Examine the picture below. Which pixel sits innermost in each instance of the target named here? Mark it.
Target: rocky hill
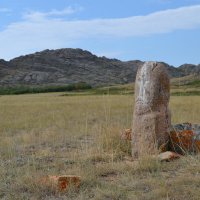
(66, 66)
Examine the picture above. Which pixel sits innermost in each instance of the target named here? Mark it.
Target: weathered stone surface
(185, 138)
(61, 183)
(151, 115)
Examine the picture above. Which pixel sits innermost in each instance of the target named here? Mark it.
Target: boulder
(151, 125)
(185, 138)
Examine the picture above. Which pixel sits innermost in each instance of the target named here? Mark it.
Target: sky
(156, 30)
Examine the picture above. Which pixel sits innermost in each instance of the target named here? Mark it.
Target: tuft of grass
(111, 143)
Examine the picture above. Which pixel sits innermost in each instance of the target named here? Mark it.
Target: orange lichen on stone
(197, 144)
(184, 141)
(126, 134)
(61, 183)
(163, 147)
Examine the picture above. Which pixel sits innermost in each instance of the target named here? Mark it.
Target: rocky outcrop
(189, 69)
(152, 121)
(67, 66)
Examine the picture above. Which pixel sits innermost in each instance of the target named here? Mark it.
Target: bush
(43, 89)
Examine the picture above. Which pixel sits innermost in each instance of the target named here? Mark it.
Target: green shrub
(43, 89)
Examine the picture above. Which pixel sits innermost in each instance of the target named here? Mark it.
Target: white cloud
(31, 35)
(5, 10)
(36, 15)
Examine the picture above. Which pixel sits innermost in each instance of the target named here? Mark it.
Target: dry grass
(50, 134)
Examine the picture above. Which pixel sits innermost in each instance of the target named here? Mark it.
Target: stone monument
(152, 121)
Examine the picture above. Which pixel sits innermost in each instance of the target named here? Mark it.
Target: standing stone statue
(151, 115)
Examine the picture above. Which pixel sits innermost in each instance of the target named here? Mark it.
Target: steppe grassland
(50, 134)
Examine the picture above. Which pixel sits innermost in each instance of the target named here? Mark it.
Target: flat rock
(168, 156)
(61, 183)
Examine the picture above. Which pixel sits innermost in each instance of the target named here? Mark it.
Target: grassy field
(52, 134)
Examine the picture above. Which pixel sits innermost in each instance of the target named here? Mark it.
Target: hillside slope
(67, 66)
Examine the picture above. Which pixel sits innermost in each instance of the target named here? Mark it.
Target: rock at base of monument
(126, 134)
(61, 183)
(185, 138)
(168, 156)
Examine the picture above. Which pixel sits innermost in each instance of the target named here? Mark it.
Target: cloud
(36, 15)
(5, 10)
(41, 32)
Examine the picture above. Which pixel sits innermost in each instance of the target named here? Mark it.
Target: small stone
(168, 156)
(62, 183)
(126, 134)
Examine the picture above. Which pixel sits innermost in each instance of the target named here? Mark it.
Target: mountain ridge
(68, 66)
